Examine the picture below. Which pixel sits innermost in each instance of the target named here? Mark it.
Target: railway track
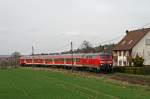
(75, 71)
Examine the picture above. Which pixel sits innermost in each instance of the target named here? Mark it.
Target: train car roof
(81, 55)
(53, 56)
(92, 54)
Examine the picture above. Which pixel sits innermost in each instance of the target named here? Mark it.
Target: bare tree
(86, 47)
(15, 58)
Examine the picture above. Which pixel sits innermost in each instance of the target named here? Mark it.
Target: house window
(127, 53)
(119, 53)
(124, 63)
(147, 41)
(115, 53)
(120, 63)
(124, 53)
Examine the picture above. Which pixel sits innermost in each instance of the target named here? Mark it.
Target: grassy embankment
(23, 83)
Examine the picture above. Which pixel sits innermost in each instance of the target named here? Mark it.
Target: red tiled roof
(131, 39)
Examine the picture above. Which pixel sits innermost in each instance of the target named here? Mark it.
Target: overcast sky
(50, 24)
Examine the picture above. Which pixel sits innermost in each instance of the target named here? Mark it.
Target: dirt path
(134, 79)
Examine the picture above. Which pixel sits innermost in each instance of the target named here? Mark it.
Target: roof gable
(131, 39)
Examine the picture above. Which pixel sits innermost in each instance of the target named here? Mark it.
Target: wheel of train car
(105, 68)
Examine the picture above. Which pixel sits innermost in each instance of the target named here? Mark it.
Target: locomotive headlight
(110, 64)
(101, 64)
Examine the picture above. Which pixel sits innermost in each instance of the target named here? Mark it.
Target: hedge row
(132, 70)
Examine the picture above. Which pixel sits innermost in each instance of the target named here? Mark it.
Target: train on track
(91, 61)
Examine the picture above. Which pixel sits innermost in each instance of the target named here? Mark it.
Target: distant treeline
(86, 47)
(102, 48)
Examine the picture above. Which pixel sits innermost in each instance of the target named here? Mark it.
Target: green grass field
(32, 84)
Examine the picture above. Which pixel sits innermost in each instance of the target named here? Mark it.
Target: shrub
(139, 70)
(138, 61)
(147, 70)
(3, 65)
(119, 69)
(130, 70)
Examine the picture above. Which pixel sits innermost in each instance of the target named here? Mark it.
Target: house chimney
(127, 31)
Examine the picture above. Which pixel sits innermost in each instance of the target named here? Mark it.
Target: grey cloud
(50, 24)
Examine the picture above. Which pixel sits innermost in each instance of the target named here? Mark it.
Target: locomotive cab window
(105, 56)
(94, 56)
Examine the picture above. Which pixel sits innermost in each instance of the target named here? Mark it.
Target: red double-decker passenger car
(99, 61)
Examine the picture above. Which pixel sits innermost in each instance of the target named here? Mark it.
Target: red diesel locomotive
(99, 61)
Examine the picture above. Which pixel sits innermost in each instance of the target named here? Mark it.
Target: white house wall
(142, 49)
(122, 58)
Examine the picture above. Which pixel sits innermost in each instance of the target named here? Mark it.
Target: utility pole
(32, 56)
(72, 56)
(32, 50)
(105, 50)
